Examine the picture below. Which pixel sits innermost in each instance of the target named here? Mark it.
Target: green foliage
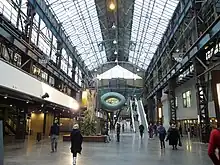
(88, 126)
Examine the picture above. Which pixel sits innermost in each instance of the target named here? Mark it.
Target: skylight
(150, 20)
(80, 21)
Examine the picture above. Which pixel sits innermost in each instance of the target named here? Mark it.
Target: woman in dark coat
(76, 142)
(173, 136)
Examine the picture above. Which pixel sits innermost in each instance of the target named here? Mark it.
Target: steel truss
(202, 97)
(172, 99)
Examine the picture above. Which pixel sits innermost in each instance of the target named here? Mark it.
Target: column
(21, 123)
(159, 107)
(172, 100)
(202, 96)
(29, 22)
(151, 109)
(59, 54)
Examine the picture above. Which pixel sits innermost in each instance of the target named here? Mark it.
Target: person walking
(155, 129)
(118, 132)
(173, 136)
(181, 130)
(214, 143)
(54, 135)
(150, 131)
(141, 129)
(76, 142)
(162, 135)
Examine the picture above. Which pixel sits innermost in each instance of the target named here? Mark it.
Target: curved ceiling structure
(130, 33)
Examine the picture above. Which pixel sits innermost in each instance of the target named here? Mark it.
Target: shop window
(44, 75)
(51, 81)
(36, 70)
(187, 99)
(17, 60)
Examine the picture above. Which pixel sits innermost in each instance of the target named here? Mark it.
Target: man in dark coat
(54, 134)
(118, 131)
(162, 135)
(173, 136)
(76, 142)
(141, 129)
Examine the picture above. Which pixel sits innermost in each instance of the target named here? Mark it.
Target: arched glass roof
(81, 23)
(150, 20)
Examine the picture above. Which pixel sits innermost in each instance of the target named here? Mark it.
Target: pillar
(172, 99)
(29, 22)
(59, 54)
(151, 109)
(159, 107)
(202, 96)
(21, 123)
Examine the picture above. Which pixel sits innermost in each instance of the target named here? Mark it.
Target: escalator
(142, 114)
(132, 115)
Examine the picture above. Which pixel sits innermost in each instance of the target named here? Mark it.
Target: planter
(87, 138)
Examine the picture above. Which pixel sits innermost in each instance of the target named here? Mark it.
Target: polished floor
(130, 151)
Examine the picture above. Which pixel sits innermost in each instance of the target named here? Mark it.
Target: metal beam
(172, 100)
(208, 35)
(181, 17)
(56, 28)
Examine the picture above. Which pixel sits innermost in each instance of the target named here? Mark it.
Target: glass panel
(150, 21)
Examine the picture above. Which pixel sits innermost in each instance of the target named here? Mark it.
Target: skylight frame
(79, 19)
(150, 21)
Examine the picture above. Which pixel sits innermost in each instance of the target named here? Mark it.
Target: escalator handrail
(132, 116)
(138, 112)
(144, 114)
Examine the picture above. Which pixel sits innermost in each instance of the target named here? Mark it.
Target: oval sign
(112, 101)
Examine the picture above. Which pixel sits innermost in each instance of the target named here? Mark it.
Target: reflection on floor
(130, 151)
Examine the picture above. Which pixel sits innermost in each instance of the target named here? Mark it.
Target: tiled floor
(130, 151)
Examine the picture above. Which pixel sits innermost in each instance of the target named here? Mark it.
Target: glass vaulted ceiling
(150, 20)
(80, 21)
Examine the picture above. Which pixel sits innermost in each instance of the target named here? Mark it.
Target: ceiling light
(53, 107)
(116, 60)
(42, 105)
(114, 42)
(115, 52)
(177, 50)
(112, 6)
(6, 97)
(27, 101)
(138, 69)
(10, 105)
